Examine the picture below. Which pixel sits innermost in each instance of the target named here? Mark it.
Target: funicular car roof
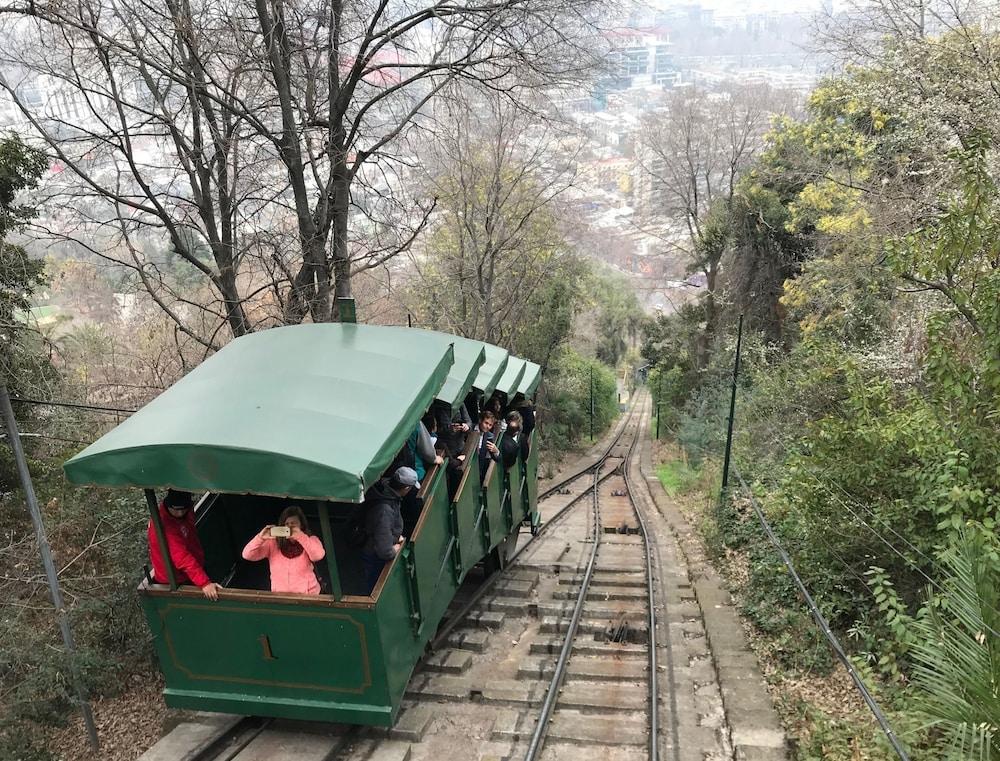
(305, 411)
(470, 356)
(511, 379)
(493, 368)
(531, 378)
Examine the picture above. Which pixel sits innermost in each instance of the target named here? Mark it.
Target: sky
(728, 7)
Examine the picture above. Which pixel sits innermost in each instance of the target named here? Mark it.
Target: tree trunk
(235, 314)
(341, 209)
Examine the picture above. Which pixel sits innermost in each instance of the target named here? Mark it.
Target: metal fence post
(591, 403)
(659, 402)
(46, 553)
(732, 414)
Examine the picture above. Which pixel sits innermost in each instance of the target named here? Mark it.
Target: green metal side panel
(289, 660)
(432, 557)
(397, 631)
(531, 468)
(493, 494)
(306, 411)
(515, 497)
(467, 507)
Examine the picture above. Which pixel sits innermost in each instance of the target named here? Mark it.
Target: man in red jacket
(186, 553)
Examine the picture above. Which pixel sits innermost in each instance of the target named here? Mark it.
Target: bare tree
(251, 136)
(691, 157)
(859, 32)
(495, 239)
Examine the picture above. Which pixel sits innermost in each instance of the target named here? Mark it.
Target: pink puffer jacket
(294, 575)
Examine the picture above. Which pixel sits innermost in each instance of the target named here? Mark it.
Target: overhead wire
(73, 405)
(824, 626)
(896, 550)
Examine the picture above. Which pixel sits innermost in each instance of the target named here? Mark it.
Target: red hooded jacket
(185, 550)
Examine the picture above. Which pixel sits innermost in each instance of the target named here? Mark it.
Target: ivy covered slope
(864, 249)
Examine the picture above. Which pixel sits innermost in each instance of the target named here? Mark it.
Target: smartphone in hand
(279, 532)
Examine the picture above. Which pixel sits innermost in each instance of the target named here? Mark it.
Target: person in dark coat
(452, 425)
(523, 405)
(487, 448)
(384, 522)
(514, 441)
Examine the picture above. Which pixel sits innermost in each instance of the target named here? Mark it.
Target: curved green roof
(511, 378)
(307, 411)
(469, 358)
(532, 377)
(492, 370)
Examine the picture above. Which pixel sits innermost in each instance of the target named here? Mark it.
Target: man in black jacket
(514, 440)
(487, 449)
(453, 425)
(384, 522)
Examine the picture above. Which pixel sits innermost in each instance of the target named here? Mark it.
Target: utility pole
(46, 553)
(732, 412)
(591, 403)
(659, 401)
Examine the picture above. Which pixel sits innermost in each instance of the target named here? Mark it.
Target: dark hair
(292, 511)
(176, 498)
(430, 421)
(487, 415)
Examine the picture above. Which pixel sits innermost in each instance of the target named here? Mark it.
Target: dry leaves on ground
(127, 725)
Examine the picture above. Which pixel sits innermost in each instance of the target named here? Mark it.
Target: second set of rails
(554, 656)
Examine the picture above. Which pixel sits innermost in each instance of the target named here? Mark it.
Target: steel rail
(234, 740)
(538, 736)
(559, 674)
(654, 711)
(600, 460)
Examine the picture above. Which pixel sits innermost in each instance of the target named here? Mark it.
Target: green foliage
(863, 249)
(567, 400)
(830, 738)
(19, 742)
(677, 477)
(769, 597)
(956, 650)
(20, 169)
(620, 317)
(99, 546)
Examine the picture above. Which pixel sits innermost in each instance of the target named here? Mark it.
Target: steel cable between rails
(552, 694)
(653, 666)
(817, 615)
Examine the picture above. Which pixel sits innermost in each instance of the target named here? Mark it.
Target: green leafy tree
(21, 167)
(620, 317)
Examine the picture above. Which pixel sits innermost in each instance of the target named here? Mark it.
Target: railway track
(609, 612)
(555, 657)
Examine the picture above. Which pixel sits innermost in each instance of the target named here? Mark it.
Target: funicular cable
(823, 625)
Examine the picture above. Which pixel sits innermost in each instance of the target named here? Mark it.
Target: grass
(677, 477)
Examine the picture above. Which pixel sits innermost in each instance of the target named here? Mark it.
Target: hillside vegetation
(863, 248)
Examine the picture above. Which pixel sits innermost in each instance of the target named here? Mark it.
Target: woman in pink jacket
(291, 558)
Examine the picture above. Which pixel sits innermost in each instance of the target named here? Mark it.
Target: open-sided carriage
(313, 415)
